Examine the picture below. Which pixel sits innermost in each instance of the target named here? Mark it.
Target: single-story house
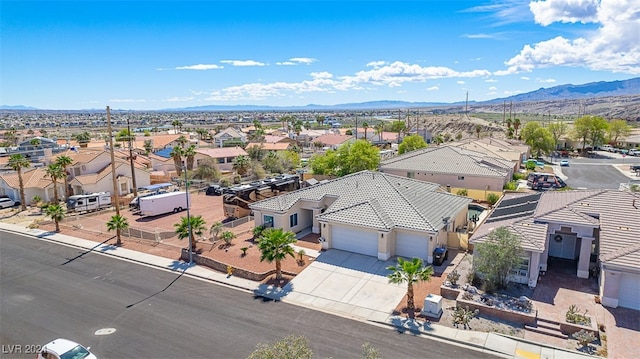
(229, 136)
(224, 156)
(596, 231)
(371, 213)
(270, 146)
(496, 148)
(452, 166)
(332, 141)
(36, 183)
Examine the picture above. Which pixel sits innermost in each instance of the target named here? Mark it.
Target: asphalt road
(593, 176)
(49, 291)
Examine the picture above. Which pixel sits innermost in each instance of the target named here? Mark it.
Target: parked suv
(214, 190)
(440, 255)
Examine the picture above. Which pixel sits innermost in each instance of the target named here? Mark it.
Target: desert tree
(497, 255)
(118, 223)
(411, 143)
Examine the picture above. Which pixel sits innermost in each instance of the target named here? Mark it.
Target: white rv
(162, 203)
(89, 202)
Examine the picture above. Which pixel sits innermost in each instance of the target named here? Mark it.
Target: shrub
(463, 316)
(492, 198)
(519, 176)
(574, 316)
(584, 337)
(531, 166)
(225, 182)
(462, 192)
(257, 231)
(453, 277)
(511, 186)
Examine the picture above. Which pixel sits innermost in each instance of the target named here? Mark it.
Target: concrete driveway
(351, 284)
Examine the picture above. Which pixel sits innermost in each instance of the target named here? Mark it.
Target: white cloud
(490, 80)
(434, 88)
(298, 61)
(460, 82)
(242, 63)
(200, 67)
(547, 81)
(376, 63)
(321, 75)
(614, 46)
(567, 11)
(492, 88)
(526, 78)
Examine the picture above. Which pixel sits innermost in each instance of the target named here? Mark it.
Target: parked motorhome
(89, 202)
(163, 203)
(544, 181)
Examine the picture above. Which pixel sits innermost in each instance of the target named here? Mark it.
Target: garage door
(354, 240)
(629, 296)
(411, 245)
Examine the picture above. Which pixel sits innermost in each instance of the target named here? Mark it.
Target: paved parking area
(349, 283)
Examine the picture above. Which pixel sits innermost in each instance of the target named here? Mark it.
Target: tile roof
(232, 132)
(333, 140)
(32, 178)
(279, 146)
(276, 139)
(159, 141)
(532, 235)
(447, 159)
(377, 200)
(222, 152)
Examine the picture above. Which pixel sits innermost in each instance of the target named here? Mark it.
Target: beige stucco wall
(453, 180)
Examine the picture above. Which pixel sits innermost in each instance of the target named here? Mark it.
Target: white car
(6, 203)
(65, 349)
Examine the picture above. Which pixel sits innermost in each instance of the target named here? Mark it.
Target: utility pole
(133, 168)
(504, 112)
(466, 106)
(510, 109)
(113, 163)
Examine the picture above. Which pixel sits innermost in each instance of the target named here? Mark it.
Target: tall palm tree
(190, 152)
(65, 161)
(17, 162)
(409, 272)
(275, 245)
(509, 123)
(198, 226)
(378, 129)
(365, 126)
(478, 129)
(516, 125)
(176, 124)
(118, 223)
(176, 153)
(182, 140)
(55, 172)
(241, 164)
(215, 230)
(56, 212)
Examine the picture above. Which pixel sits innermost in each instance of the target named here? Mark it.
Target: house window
(460, 178)
(293, 220)
(123, 187)
(267, 221)
(220, 160)
(411, 174)
(76, 171)
(523, 268)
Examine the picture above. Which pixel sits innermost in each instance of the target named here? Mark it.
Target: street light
(186, 193)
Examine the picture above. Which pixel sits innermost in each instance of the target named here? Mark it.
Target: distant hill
(576, 92)
(18, 107)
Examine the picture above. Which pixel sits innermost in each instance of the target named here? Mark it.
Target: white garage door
(354, 240)
(412, 245)
(629, 296)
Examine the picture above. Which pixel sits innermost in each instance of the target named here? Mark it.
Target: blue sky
(150, 55)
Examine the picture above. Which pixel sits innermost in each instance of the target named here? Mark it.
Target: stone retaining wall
(571, 328)
(222, 267)
(449, 293)
(512, 316)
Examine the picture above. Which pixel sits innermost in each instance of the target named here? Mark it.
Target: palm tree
(55, 172)
(190, 152)
(83, 138)
(56, 213)
(176, 153)
(64, 162)
(365, 125)
(228, 237)
(197, 227)
(241, 164)
(215, 230)
(509, 123)
(438, 139)
(148, 146)
(176, 124)
(516, 125)
(182, 141)
(378, 129)
(409, 272)
(478, 128)
(17, 162)
(275, 245)
(118, 223)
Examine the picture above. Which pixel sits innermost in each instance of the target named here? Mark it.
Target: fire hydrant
(229, 271)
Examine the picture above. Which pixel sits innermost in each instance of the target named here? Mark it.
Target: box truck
(163, 203)
(89, 202)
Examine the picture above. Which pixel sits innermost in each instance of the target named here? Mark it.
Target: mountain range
(562, 92)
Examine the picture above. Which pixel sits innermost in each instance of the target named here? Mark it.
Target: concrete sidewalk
(496, 344)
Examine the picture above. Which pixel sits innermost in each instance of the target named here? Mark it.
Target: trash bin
(439, 255)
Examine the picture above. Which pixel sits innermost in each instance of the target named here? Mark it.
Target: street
(50, 291)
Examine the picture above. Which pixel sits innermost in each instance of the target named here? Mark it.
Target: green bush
(519, 176)
(462, 192)
(492, 198)
(511, 186)
(530, 166)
